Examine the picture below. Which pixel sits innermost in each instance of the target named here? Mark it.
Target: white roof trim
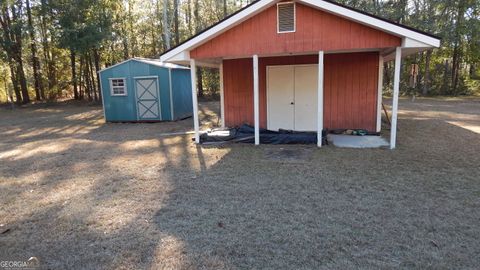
(411, 43)
(180, 56)
(155, 62)
(373, 22)
(181, 53)
(158, 63)
(252, 10)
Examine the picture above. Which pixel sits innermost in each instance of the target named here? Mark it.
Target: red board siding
(315, 30)
(350, 89)
(238, 91)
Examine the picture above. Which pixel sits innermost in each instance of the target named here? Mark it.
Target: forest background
(52, 49)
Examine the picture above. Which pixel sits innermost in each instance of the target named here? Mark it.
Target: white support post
(320, 99)
(396, 90)
(256, 106)
(380, 96)
(193, 74)
(222, 97)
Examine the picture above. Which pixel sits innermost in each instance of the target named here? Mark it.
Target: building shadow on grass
(104, 199)
(345, 208)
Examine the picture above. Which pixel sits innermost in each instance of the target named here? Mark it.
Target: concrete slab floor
(352, 141)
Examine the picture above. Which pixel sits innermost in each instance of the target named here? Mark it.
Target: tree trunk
(35, 62)
(92, 78)
(86, 74)
(16, 89)
(47, 55)
(17, 56)
(153, 47)
(196, 16)
(175, 21)
(166, 28)
(471, 70)
(387, 75)
(23, 82)
(458, 47)
(402, 7)
(8, 94)
(96, 58)
(455, 63)
(81, 82)
(189, 17)
(445, 78)
(426, 76)
(224, 8)
(74, 74)
(200, 82)
(130, 32)
(46, 37)
(111, 57)
(125, 45)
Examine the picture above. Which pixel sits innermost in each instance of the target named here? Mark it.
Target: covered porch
(331, 90)
(301, 65)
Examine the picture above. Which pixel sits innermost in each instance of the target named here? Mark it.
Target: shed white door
(306, 84)
(280, 84)
(292, 97)
(148, 101)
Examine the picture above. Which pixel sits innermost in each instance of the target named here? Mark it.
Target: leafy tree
(83, 26)
(68, 41)
(12, 24)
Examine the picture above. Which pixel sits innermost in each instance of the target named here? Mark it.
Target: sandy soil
(79, 193)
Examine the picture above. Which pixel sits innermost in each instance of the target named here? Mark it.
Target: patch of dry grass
(78, 193)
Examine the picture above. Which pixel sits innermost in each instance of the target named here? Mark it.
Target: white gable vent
(286, 17)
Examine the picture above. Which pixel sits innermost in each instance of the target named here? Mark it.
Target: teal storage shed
(146, 90)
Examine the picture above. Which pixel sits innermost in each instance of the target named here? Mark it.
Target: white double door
(292, 97)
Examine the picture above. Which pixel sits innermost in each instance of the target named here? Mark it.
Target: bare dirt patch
(79, 193)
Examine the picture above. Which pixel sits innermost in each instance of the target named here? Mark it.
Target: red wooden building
(301, 65)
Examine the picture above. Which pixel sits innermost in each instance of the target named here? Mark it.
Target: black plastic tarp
(245, 134)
